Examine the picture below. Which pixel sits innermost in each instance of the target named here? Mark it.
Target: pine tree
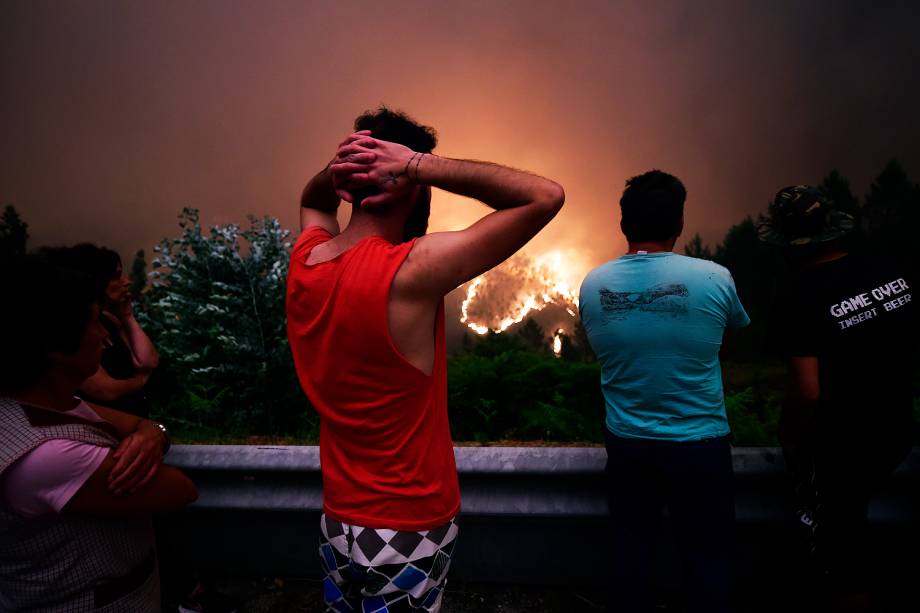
(756, 269)
(13, 233)
(534, 337)
(837, 188)
(893, 213)
(696, 249)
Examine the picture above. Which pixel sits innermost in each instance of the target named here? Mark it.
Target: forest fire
(557, 342)
(509, 292)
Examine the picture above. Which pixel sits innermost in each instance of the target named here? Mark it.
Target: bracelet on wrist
(409, 163)
(417, 162)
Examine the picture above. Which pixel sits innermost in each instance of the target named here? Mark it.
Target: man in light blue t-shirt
(656, 321)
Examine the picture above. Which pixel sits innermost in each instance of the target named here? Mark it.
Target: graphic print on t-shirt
(854, 310)
(669, 299)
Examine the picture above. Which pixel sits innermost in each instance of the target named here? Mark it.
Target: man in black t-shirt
(847, 326)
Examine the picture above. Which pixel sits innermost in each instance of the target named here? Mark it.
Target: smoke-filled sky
(114, 114)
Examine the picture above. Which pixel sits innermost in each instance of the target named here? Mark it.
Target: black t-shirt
(118, 363)
(859, 316)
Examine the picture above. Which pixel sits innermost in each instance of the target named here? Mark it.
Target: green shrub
(523, 395)
(754, 418)
(216, 312)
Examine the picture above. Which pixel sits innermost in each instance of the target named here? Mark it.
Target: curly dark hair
(652, 207)
(398, 127)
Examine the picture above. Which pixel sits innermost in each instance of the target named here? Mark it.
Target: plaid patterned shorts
(372, 570)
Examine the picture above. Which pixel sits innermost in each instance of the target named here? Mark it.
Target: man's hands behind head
(366, 165)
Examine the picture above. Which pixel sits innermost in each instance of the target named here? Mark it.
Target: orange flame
(509, 292)
(557, 342)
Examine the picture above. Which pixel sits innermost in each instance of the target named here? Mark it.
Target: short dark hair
(99, 264)
(398, 127)
(652, 207)
(45, 309)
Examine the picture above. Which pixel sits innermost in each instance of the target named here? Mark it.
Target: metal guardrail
(533, 481)
(527, 511)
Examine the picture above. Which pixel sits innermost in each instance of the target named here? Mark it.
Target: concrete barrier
(530, 514)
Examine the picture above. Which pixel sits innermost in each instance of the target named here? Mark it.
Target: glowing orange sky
(115, 115)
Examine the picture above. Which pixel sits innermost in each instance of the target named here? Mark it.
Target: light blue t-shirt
(656, 323)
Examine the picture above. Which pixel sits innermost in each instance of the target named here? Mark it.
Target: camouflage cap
(802, 215)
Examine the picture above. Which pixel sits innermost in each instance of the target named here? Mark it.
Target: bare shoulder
(428, 249)
(434, 265)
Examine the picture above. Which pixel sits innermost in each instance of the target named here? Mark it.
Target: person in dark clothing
(131, 357)
(847, 326)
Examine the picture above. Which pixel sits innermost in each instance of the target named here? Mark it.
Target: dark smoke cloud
(115, 115)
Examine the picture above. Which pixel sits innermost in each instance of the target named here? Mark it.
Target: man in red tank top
(365, 309)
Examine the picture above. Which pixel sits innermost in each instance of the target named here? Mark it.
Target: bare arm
(104, 388)
(439, 262)
(169, 490)
(523, 203)
(125, 423)
(144, 355)
(319, 201)
(803, 391)
(143, 352)
(803, 387)
(139, 456)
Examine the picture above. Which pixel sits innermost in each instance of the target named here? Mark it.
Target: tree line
(213, 303)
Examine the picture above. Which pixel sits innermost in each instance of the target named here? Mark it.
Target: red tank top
(385, 448)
